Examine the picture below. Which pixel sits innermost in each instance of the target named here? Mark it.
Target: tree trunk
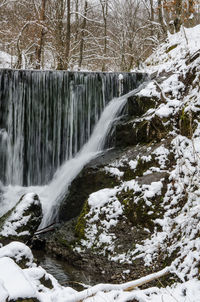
(42, 34)
(18, 65)
(178, 11)
(104, 5)
(68, 34)
(190, 12)
(77, 21)
(82, 36)
(152, 10)
(152, 17)
(161, 17)
(59, 34)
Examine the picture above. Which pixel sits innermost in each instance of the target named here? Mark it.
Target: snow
(164, 111)
(153, 189)
(180, 223)
(98, 199)
(133, 164)
(114, 171)
(25, 283)
(161, 155)
(18, 251)
(14, 281)
(6, 60)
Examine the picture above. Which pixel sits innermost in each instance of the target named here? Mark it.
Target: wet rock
(138, 105)
(91, 179)
(140, 131)
(60, 243)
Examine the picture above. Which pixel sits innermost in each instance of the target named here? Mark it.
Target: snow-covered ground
(25, 283)
(179, 228)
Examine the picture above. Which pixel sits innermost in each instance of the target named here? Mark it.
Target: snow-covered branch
(125, 286)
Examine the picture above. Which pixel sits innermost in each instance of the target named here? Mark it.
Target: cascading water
(46, 117)
(52, 195)
(16, 139)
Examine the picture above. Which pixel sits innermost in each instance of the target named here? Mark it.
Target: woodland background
(89, 34)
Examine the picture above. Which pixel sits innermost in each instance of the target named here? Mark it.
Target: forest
(104, 35)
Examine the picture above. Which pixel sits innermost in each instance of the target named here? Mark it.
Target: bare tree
(93, 34)
(41, 34)
(68, 34)
(161, 16)
(82, 34)
(104, 7)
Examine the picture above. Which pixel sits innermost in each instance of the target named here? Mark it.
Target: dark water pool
(66, 274)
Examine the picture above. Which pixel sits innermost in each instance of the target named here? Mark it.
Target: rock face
(92, 178)
(135, 209)
(118, 200)
(21, 222)
(135, 222)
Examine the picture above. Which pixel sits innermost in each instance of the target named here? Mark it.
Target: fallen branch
(147, 279)
(162, 94)
(125, 286)
(48, 228)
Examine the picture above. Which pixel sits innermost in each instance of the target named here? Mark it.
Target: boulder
(21, 222)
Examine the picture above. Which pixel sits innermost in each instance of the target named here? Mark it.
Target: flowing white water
(47, 116)
(52, 194)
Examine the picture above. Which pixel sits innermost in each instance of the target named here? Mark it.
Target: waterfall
(47, 116)
(57, 188)
(51, 195)
(51, 125)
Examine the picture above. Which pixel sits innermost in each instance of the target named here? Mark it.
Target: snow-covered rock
(21, 222)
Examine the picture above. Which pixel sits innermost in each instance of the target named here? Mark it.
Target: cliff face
(140, 202)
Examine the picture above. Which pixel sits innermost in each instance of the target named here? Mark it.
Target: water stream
(51, 195)
(47, 116)
(66, 274)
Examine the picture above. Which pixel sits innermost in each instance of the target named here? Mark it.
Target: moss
(185, 123)
(138, 105)
(90, 180)
(171, 48)
(81, 223)
(5, 217)
(149, 130)
(25, 300)
(63, 242)
(34, 212)
(138, 213)
(141, 167)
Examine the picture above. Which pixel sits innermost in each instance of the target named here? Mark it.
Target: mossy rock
(186, 123)
(90, 180)
(25, 300)
(22, 221)
(139, 213)
(142, 131)
(138, 105)
(141, 167)
(81, 223)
